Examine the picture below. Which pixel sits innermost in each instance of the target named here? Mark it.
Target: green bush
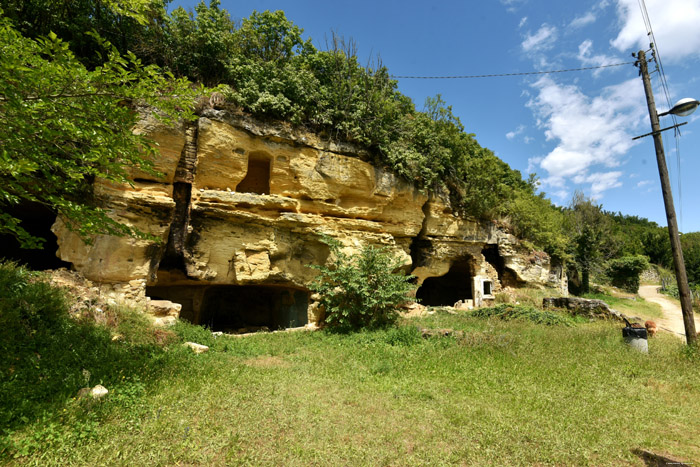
(624, 272)
(361, 291)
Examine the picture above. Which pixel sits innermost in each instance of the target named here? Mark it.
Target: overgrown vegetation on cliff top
(268, 70)
(63, 124)
(271, 72)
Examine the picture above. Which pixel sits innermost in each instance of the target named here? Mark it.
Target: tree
(624, 272)
(591, 230)
(363, 290)
(127, 24)
(199, 45)
(63, 125)
(271, 37)
(535, 219)
(691, 256)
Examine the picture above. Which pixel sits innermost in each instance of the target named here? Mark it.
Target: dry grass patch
(266, 361)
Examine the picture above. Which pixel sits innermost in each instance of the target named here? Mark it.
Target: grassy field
(505, 393)
(629, 304)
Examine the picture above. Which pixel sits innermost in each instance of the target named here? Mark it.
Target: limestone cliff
(239, 211)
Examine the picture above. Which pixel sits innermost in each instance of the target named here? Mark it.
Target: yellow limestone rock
(253, 206)
(169, 142)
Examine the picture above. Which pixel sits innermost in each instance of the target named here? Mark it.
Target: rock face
(240, 211)
(590, 308)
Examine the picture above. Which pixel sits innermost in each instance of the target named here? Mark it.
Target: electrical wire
(656, 56)
(496, 75)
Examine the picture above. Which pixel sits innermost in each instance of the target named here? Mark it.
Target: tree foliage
(127, 24)
(273, 73)
(197, 44)
(363, 290)
(624, 272)
(535, 219)
(63, 125)
(691, 254)
(590, 230)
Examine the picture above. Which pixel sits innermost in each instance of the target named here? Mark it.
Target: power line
(656, 56)
(513, 74)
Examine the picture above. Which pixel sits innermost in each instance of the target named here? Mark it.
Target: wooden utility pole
(678, 263)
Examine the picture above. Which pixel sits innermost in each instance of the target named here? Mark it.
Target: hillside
(261, 67)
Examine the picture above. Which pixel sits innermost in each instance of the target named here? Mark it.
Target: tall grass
(633, 306)
(48, 355)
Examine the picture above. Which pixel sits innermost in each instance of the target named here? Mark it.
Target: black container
(629, 332)
(636, 338)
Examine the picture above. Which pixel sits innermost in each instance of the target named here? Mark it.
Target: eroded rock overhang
(243, 203)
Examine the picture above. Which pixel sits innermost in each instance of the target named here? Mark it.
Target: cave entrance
(450, 288)
(506, 277)
(492, 257)
(36, 219)
(237, 308)
(249, 308)
(257, 179)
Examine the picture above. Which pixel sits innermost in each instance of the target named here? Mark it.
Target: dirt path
(673, 317)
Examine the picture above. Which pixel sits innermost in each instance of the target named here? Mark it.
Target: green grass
(507, 393)
(504, 392)
(528, 313)
(632, 306)
(530, 296)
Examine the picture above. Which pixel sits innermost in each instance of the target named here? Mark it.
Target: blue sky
(574, 130)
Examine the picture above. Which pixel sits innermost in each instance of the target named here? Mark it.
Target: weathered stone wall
(212, 234)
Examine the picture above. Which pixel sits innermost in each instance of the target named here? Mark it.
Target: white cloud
(581, 21)
(588, 58)
(516, 132)
(532, 164)
(543, 39)
(561, 194)
(589, 132)
(675, 24)
(512, 5)
(601, 182)
(643, 183)
(523, 21)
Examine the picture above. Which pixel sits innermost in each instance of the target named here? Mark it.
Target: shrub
(361, 291)
(624, 272)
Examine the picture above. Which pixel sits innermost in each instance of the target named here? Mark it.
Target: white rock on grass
(196, 348)
(164, 321)
(98, 392)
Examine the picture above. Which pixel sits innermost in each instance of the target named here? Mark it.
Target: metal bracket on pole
(663, 129)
